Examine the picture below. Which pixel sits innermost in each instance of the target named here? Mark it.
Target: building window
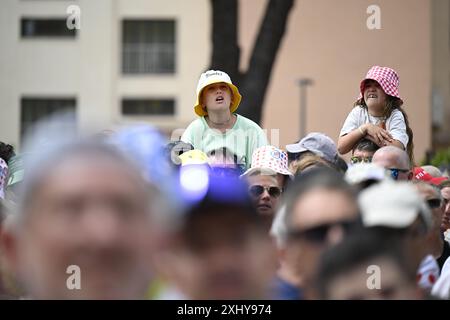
(148, 107)
(35, 109)
(32, 27)
(148, 46)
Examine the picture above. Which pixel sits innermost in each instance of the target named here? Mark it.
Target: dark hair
(340, 165)
(320, 178)
(356, 250)
(393, 103)
(366, 145)
(6, 151)
(224, 152)
(176, 148)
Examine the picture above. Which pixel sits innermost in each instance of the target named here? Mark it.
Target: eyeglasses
(355, 159)
(319, 233)
(434, 203)
(258, 190)
(395, 172)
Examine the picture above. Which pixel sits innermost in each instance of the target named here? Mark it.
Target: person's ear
(410, 175)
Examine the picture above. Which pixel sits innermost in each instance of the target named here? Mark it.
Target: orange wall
(329, 42)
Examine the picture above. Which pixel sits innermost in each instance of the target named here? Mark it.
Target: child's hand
(378, 135)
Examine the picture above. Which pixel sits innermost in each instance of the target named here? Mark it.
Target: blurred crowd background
(128, 172)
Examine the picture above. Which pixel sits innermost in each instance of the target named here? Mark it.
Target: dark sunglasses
(258, 190)
(395, 172)
(434, 203)
(318, 234)
(354, 160)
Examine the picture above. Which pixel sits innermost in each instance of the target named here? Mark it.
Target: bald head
(391, 157)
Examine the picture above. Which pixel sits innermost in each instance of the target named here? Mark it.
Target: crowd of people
(222, 214)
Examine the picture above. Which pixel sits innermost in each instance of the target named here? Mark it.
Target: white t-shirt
(428, 273)
(395, 124)
(441, 288)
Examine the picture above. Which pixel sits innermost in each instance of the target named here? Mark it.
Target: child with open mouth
(377, 114)
(218, 125)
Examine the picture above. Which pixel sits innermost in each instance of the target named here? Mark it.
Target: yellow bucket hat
(215, 76)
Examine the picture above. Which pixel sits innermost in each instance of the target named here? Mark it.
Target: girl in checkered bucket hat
(377, 114)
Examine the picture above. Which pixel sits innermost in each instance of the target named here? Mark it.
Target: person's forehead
(216, 84)
(361, 153)
(92, 171)
(320, 206)
(427, 191)
(219, 224)
(388, 160)
(263, 179)
(446, 193)
(370, 83)
(353, 283)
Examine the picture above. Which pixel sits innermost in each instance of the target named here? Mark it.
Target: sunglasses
(395, 172)
(434, 203)
(319, 234)
(355, 159)
(258, 190)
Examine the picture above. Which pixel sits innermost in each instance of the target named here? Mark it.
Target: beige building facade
(327, 42)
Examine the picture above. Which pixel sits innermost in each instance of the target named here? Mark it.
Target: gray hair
(39, 167)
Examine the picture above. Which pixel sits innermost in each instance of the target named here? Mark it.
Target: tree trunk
(226, 53)
(225, 48)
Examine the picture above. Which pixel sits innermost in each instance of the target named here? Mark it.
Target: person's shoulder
(357, 110)
(397, 115)
(247, 123)
(196, 124)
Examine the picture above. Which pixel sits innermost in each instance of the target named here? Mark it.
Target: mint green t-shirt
(242, 139)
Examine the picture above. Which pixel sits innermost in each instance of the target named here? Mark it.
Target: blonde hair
(309, 160)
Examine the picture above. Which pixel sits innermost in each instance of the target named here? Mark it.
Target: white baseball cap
(361, 172)
(392, 204)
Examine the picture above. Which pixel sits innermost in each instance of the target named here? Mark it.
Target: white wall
(89, 66)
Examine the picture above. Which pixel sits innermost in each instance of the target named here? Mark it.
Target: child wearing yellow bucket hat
(218, 125)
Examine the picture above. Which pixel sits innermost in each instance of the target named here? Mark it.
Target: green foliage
(441, 158)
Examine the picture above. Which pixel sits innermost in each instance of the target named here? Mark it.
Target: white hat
(270, 159)
(215, 76)
(392, 204)
(361, 172)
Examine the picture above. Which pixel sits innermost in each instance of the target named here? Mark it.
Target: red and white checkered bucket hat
(386, 77)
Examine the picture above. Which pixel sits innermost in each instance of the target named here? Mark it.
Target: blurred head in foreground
(364, 267)
(222, 249)
(86, 226)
